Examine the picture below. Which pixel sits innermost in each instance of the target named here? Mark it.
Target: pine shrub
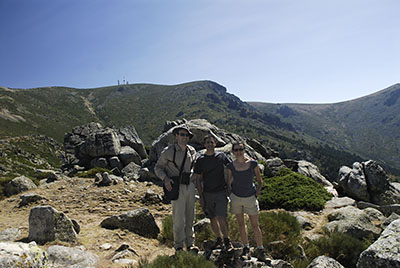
(292, 191)
(167, 231)
(339, 246)
(180, 260)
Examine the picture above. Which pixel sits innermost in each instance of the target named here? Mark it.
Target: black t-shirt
(212, 169)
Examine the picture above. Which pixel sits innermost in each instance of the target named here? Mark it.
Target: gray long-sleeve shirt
(165, 166)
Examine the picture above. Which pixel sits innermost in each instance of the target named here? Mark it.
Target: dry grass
(88, 204)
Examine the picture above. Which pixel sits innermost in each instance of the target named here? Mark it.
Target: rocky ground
(80, 199)
(88, 204)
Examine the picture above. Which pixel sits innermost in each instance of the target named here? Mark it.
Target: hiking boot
(193, 249)
(218, 243)
(227, 243)
(259, 253)
(245, 251)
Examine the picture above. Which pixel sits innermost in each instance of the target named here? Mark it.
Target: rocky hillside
(368, 126)
(53, 111)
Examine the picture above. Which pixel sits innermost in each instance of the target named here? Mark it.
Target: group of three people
(213, 190)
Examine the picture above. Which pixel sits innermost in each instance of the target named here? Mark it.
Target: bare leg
(242, 228)
(223, 225)
(256, 229)
(215, 227)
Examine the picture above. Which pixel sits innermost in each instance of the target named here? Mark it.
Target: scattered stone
(201, 225)
(325, 262)
(139, 221)
(19, 185)
(17, 254)
(10, 234)
(151, 198)
(60, 257)
(390, 219)
(375, 215)
(131, 170)
(304, 222)
(30, 198)
(48, 224)
(387, 210)
(339, 202)
(106, 246)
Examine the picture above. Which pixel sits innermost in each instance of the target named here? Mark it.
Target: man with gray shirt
(177, 160)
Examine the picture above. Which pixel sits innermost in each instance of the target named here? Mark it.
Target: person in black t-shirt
(211, 185)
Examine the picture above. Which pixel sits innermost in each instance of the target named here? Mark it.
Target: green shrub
(275, 226)
(3, 182)
(91, 172)
(341, 247)
(167, 232)
(181, 260)
(292, 191)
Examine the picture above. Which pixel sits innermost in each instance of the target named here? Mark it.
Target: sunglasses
(184, 135)
(238, 149)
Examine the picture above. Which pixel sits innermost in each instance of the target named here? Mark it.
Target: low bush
(280, 232)
(3, 182)
(167, 232)
(291, 191)
(341, 247)
(180, 260)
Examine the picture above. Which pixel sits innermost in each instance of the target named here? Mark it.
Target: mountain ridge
(368, 126)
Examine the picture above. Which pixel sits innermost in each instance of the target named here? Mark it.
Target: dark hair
(209, 136)
(238, 143)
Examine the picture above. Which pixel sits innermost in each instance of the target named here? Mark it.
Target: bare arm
(259, 180)
(197, 178)
(229, 181)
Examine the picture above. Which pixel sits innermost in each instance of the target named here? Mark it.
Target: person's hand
(168, 183)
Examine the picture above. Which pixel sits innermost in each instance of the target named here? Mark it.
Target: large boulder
(129, 137)
(353, 183)
(324, 262)
(273, 166)
(382, 192)
(384, 252)
(19, 185)
(92, 145)
(60, 257)
(368, 182)
(104, 142)
(139, 221)
(310, 170)
(17, 254)
(48, 224)
(129, 155)
(352, 221)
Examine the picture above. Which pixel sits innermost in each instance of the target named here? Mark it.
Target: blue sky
(310, 51)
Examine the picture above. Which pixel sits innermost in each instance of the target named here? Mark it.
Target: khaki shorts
(241, 205)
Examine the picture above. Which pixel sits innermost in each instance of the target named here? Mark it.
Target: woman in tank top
(243, 195)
